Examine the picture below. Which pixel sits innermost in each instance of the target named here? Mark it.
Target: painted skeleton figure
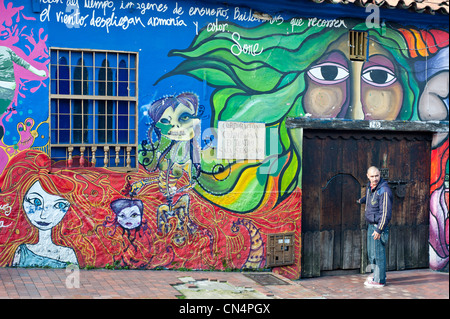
(175, 125)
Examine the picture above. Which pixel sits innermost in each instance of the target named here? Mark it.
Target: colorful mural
(184, 207)
(405, 78)
(439, 204)
(23, 64)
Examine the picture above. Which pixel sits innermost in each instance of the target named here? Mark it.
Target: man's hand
(376, 236)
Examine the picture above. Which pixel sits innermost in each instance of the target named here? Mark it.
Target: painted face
(381, 93)
(129, 217)
(44, 210)
(178, 124)
(366, 90)
(327, 87)
(27, 136)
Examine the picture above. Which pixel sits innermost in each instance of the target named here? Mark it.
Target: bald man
(378, 213)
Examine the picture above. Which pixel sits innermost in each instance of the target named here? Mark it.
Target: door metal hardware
(399, 187)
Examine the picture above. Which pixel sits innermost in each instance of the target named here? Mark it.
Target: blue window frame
(93, 108)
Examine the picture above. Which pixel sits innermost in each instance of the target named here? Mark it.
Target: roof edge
(420, 6)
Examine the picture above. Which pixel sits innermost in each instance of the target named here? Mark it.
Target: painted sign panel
(241, 141)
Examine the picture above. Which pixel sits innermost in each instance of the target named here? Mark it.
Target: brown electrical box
(280, 249)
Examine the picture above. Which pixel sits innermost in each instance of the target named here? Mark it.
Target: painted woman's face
(178, 124)
(44, 210)
(129, 217)
(366, 90)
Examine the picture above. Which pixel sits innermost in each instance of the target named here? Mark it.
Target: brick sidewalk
(104, 284)
(30, 283)
(407, 284)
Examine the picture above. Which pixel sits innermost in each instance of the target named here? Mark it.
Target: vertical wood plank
(356, 249)
(400, 247)
(364, 259)
(337, 250)
(326, 249)
(391, 253)
(347, 243)
(407, 233)
(316, 254)
(307, 256)
(414, 246)
(423, 249)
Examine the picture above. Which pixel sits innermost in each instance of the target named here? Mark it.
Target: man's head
(373, 174)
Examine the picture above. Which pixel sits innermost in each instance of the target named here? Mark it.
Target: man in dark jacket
(378, 213)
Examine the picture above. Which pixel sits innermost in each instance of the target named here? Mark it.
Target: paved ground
(30, 283)
(409, 284)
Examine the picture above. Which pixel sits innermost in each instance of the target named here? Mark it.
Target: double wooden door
(334, 166)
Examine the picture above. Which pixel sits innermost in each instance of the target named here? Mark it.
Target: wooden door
(334, 177)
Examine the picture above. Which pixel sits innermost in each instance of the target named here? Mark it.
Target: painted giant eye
(378, 76)
(328, 73)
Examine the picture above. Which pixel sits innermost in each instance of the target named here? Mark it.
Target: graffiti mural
(430, 52)
(68, 214)
(174, 119)
(394, 83)
(184, 207)
(439, 204)
(23, 64)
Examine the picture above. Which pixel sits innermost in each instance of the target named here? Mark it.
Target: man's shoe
(373, 284)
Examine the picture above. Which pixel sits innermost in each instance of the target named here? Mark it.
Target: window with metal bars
(357, 41)
(93, 108)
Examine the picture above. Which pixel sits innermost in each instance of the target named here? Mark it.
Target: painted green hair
(259, 76)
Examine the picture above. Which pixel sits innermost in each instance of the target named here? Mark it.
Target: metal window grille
(93, 108)
(357, 45)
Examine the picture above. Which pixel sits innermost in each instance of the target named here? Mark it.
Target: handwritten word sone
(237, 48)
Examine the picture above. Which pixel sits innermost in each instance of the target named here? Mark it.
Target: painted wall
(223, 65)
